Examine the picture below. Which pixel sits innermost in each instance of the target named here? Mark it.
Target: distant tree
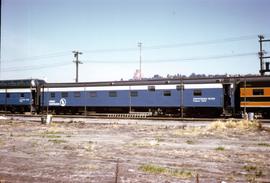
(192, 75)
(156, 76)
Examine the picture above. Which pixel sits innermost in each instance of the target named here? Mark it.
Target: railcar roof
(208, 80)
(20, 83)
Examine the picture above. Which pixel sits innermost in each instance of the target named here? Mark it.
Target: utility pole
(140, 46)
(77, 62)
(264, 67)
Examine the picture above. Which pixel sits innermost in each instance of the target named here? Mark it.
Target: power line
(165, 46)
(39, 57)
(36, 67)
(198, 43)
(206, 57)
(191, 59)
(176, 59)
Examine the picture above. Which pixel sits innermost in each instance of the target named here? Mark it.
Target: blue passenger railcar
(15, 99)
(167, 98)
(136, 96)
(20, 95)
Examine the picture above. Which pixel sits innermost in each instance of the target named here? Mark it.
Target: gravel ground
(146, 151)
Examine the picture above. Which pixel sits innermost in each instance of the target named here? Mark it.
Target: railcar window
(52, 95)
(134, 93)
(258, 92)
(151, 88)
(93, 94)
(197, 93)
(8, 95)
(167, 93)
(77, 94)
(22, 95)
(64, 94)
(112, 94)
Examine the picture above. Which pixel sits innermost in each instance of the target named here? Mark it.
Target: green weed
(53, 136)
(254, 172)
(155, 169)
(220, 148)
(264, 144)
(190, 142)
(57, 141)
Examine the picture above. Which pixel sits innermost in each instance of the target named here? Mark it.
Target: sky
(177, 36)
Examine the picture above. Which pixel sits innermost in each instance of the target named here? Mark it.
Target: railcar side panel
(209, 97)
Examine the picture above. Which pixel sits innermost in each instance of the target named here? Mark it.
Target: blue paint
(210, 97)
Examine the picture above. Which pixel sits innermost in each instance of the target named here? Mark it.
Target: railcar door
(35, 104)
(33, 100)
(227, 99)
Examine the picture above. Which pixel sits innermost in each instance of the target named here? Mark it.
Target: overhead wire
(197, 43)
(39, 57)
(174, 59)
(60, 64)
(164, 46)
(66, 53)
(36, 67)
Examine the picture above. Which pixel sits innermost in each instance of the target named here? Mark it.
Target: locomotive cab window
(22, 95)
(167, 93)
(64, 94)
(258, 92)
(151, 88)
(77, 94)
(112, 94)
(134, 93)
(52, 95)
(8, 95)
(93, 94)
(197, 93)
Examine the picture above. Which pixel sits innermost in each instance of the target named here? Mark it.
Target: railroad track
(137, 116)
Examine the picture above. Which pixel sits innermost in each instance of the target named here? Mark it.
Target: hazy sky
(178, 36)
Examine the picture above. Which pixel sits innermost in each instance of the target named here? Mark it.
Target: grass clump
(249, 168)
(264, 144)
(189, 131)
(254, 172)
(88, 148)
(57, 141)
(190, 142)
(2, 142)
(155, 169)
(159, 139)
(238, 125)
(53, 136)
(185, 174)
(220, 148)
(52, 132)
(145, 143)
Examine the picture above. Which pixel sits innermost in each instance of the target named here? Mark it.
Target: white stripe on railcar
(15, 90)
(157, 87)
(202, 86)
(165, 87)
(96, 88)
(109, 88)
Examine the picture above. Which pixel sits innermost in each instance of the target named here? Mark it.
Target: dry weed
(232, 124)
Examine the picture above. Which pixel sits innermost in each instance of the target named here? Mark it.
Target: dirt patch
(85, 152)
